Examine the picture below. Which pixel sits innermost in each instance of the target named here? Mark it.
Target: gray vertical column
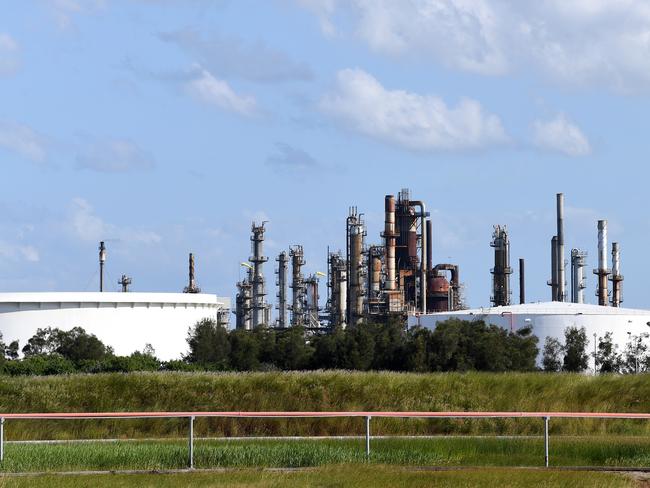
(2, 439)
(368, 437)
(546, 419)
(190, 462)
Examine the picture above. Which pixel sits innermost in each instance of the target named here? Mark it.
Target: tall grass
(329, 390)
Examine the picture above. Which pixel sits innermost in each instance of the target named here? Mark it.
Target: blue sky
(167, 126)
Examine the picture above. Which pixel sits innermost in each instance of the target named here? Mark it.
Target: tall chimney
(561, 281)
(553, 282)
(602, 270)
(102, 261)
(616, 277)
(522, 282)
(429, 246)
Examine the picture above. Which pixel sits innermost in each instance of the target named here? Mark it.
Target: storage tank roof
(111, 297)
(549, 308)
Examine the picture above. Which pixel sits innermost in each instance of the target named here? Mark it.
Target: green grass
(335, 477)
(330, 390)
(336, 390)
(440, 452)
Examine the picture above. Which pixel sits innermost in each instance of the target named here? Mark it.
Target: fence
(191, 416)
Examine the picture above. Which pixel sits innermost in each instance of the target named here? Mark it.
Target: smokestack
(522, 289)
(616, 278)
(602, 270)
(429, 246)
(561, 281)
(553, 282)
(102, 261)
(191, 283)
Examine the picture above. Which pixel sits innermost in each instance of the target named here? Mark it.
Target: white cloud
(421, 122)
(87, 226)
(22, 140)
(213, 91)
(291, 158)
(114, 156)
(233, 58)
(8, 55)
(561, 135)
(18, 252)
(578, 42)
(64, 11)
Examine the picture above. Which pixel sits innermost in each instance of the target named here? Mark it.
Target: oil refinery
(396, 276)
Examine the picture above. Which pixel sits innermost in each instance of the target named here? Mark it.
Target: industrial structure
(125, 321)
(502, 270)
(366, 281)
(397, 277)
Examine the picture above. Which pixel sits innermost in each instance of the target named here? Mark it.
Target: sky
(167, 126)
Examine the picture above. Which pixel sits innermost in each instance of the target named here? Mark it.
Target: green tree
(608, 359)
(523, 350)
(244, 350)
(292, 351)
(77, 345)
(635, 355)
(208, 344)
(551, 355)
(575, 350)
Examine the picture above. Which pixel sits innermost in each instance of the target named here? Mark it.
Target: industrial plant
(395, 276)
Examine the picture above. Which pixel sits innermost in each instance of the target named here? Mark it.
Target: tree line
(454, 345)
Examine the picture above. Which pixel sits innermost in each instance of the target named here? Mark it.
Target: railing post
(191, 444)
(368, 437)
(2, 439)
(546, 419)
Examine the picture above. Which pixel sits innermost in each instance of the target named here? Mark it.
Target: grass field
(335, 390)
(439, 452)
(336, 476)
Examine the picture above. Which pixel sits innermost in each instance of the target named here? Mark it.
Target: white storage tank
(551, 319)
(124, 321)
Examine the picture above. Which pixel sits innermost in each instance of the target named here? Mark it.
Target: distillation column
(356, 232)
(602, 270)
(259, 292)
(281, 283)
(243, 302)
(616, 278)
(502, 270)
(393, 297)
(578, 280)
(297, 286)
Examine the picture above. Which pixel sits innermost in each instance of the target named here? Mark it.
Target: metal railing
(191, 416)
